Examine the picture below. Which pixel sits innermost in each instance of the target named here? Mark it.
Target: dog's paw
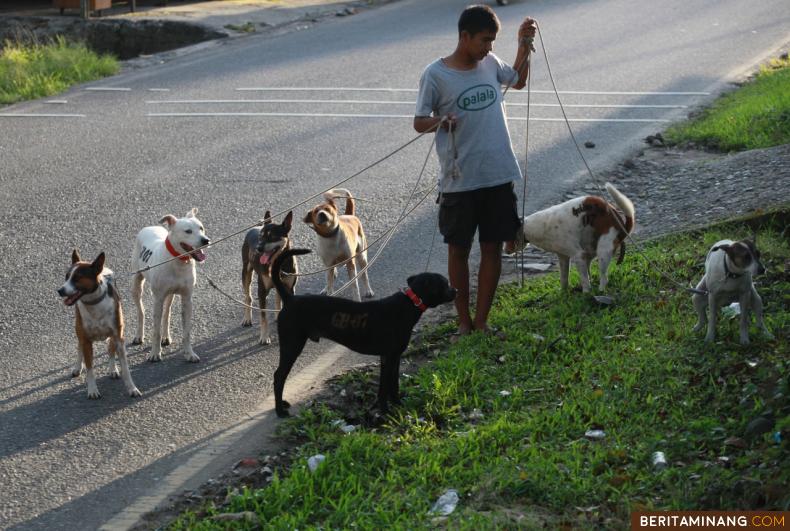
(135, 392)
(282, 409)
(114, 374)
(76, 371)
(153, 358)
(370, 294)
(165, 342)
(698, 327)
(93, 394)
(744, 340)
(191, 357)
(137, 341)
(709, 339)
(246, 322)
(768, 335)
(265, 340)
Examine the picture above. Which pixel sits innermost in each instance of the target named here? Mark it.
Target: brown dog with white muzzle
(340, 239)
(98, 313)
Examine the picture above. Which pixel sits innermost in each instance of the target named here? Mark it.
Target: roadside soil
(672, 190)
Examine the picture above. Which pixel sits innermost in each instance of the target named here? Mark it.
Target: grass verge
(504, 422)
(757, 115)
(38, 70)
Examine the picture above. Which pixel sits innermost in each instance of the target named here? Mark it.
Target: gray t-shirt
(482, 140)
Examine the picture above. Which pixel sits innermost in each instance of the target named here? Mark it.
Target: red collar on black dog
(173, 251)
(415, 299)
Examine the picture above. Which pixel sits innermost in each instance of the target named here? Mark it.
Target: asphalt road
(121, 160)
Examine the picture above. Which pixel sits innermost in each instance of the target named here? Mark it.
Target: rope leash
(618, 223)
(387, 234)
(383, 235)
(310, 198)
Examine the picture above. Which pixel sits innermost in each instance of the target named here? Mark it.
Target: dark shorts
(491, 211)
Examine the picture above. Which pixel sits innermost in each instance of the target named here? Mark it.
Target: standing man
(460, 97)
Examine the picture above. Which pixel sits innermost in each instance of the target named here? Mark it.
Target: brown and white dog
(261, 246)
(581, 229)
(98, 316)
(340, 239)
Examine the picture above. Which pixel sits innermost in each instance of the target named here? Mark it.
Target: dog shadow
(31, 424)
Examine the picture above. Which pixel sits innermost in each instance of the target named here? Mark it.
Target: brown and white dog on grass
(340, 238)
(98, 313)
(581, 229)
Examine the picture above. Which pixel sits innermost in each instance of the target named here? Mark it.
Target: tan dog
(98, 317)
(340, 239)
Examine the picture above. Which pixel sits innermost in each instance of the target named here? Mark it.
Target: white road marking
(384, 102)
(159, 90)
(108, 89)
(56, 102)
(36, 115)
(372, 89)
(399, 116)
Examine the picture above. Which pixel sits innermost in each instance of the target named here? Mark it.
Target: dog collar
(415, 299)
(330, 234)
(727, 271)
(106, 292)
(175, 253)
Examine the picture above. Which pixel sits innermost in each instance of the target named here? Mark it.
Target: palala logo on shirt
(477, 98)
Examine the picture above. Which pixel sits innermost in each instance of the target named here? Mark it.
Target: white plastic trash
(314, 461)
(659, 460)
(595, 434)
(446, 503)
(732, 311)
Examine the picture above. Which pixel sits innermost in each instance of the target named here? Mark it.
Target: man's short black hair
(477, 18)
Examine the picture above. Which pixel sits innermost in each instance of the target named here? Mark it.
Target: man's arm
(526, 33)
(424, 124)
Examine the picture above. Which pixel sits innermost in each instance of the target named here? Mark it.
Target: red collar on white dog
(173, 251)
(415, 299)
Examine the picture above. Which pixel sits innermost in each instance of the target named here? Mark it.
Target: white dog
(580, 229)
(155, 245)
(729, 268)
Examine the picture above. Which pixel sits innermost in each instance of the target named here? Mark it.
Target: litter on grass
(446, 503)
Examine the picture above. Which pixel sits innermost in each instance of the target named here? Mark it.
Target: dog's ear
(192, 213)
(75, 256)
(267, 217)
(289, 219)
(729, 249)
(410, 280)
(98, 264)
(720, 248)
(308, 217)
(168, 220)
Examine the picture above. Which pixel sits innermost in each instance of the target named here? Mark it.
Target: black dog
(260, 248)
(381, 327)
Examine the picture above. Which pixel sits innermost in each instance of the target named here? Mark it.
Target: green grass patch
(38, 70)
(756, 115)
(247, 27)
(503, 421)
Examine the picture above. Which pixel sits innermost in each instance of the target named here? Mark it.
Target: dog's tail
(285, 294)
(342, 192)
(625, 205)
